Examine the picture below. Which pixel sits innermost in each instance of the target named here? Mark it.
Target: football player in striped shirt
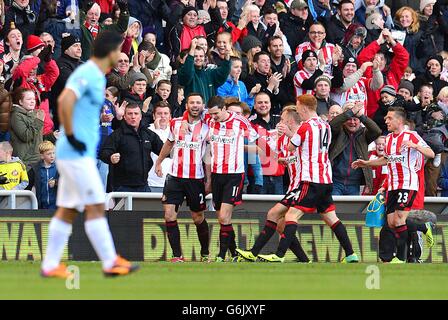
(186, 178)
(404, 156)
(313, 140)
(227, 136)
(289, 122)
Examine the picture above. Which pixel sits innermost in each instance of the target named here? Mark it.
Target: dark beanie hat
(307, 54)
(188, 9)
(350, 59)
(435, 57)
(137, 76)
(389, 90)
(68, 41)
(406, 84)
(250, 42)
(88, 5)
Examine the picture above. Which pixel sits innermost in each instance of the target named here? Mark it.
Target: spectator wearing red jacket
(392, 72)
(25, 76)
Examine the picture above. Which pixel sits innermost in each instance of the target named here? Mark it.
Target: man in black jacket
(69, 60)
(269, 81)
(296, 23)
(128, 152)
(338, 24)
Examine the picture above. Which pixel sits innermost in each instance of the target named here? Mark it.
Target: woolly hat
(406, 84)
(34, 43)
(89, 5)
(355, 29)
(204, 14)
(250, 42)
(68, 41)
(350, 59)
(323, 77)
(389, 90)
(307, 54)
(424, 3)
(436, 57)
(137, 76)
(188, 9)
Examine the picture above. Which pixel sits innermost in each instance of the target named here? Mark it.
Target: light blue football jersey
(89, 84)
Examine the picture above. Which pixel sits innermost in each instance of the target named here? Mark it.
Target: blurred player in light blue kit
(80, 185)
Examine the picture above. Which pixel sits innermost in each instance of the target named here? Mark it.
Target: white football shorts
(79, 184)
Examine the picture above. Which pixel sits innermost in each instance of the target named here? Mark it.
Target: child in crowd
(44, 177)
(13, 175)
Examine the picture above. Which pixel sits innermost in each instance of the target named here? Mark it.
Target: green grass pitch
(162, 280)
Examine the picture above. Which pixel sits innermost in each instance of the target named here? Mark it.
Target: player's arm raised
(66, 103)
(369, 163)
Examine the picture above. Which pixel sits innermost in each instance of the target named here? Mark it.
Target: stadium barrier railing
(18, 199)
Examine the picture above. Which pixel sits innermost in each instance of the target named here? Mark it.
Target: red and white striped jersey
(299, 77)
(327, 51)
(379, 173)
(227, 143)
(292, 162)
(188, 150)
(313, 140)
(403, 163)
(356, 93)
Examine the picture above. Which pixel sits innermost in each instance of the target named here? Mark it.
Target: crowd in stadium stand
(358, 57)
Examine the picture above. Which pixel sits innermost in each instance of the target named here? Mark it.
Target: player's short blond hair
(46, 146)
(292, 112)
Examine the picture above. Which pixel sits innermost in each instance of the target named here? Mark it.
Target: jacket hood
(19, 109)
(140, 35)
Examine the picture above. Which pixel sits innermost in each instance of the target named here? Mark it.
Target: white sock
(58, 233)
(101, 239)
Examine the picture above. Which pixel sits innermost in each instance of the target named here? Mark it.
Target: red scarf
(93, 29)
(188, 34)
